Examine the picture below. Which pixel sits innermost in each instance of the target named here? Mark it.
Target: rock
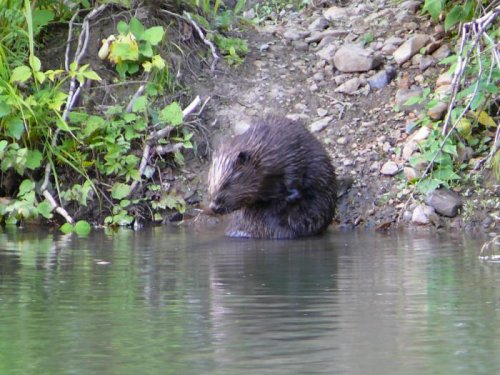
(249, 14)
(317, 36)
(395, 40)
(408, 150)
(320, 124)
(343, 140)
(348, 162)
(389, 168)
(241, 127)
(353, 58)
(344, 183)
(335, 13)
(389, 49)
(425, 62)
(444, 79)
(420, 135)
(445, 202)
(438, 111)
(349, 87)
(300, 45)
(442, 52)
(318, 24)
(382, 78)
(328, 52)
(443, 92)
(292, 34)
(410, 47)
(411, 5)
(402, 96)
(411, 174)
(422, 214)
(321, 112)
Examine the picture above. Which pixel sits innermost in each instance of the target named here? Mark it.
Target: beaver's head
(233, 180)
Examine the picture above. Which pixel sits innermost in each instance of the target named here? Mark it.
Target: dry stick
(153, 138)
(187, 18)
(72, 97)
(483, 22)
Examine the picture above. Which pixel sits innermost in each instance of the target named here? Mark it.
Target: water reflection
(171, 301)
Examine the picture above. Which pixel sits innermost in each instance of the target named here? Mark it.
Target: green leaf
(61, 124)
(120, 190)
(25, 187)
(33, 159)
(154, 35)
(146, 50)
(172, 114)
(41, 18)
(20, 74)
(453, 17)
(413, 100)
(136, 28)
(125, 51)
(428, 186)
(4, 109)
(124, 203)
(140, 104)
(449, 60)
(82, 227)
(122, 28)
(66, 228)
(15, 127)
(35, 63)
(434, 7)
(90, 74)
(45, 209)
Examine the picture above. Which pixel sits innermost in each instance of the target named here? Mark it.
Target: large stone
(349, 87)
(318, 24)
(320, 35)
(409, 48)
(438, 111)
(319, 125)
(422, 214)
(445, 202)
(411, 5)
(353, 58)
(442, 52)
(444, 79)
(382, 78)
(389, 168)
(328, 52)
(335, 13)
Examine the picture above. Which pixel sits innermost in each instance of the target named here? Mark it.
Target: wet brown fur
(276, 180)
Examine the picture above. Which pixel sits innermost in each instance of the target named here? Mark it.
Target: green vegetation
(469, 128)
(103, 163)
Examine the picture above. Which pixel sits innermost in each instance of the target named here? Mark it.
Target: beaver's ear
(243, 158)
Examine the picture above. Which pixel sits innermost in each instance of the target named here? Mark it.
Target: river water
(175, 301)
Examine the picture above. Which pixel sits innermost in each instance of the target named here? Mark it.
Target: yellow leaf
(464, 127)
(484, 119)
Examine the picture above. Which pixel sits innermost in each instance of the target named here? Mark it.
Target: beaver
(276, 180)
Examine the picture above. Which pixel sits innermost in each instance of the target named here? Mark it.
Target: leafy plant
(133, 47)
(233, 49)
